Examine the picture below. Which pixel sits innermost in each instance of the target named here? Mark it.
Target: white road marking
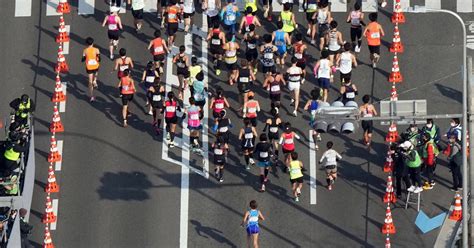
(370, 5)
(59, 164)
(55, 203)
(404, 4)
(150, 6)
(312, 171)
(464, 6)
(86, 7)
(470, 41)
(277, 6)
(23, 8)
(205, 131)
(51, 6)
(433, 4)
(66, 44)
(338, 5)
(62, 105)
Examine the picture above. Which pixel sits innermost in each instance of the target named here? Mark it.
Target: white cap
(406, 145)
(114, 9)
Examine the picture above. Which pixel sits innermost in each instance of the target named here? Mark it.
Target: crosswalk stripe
(150, 6)
(22, 8)
(51, 6)
(433, 4)
(369, 5)
(464, 6)
(86, 7)
(338, 5)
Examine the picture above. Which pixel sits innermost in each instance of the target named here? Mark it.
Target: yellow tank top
(295, 169)
(288, 26)
(252, 4)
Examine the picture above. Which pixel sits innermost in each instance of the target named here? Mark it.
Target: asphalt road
(116, 191)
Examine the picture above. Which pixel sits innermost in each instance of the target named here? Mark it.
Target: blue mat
(426, 224)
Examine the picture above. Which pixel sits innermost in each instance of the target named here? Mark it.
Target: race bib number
(218, 151)
(251, 46)
(216, 42)
(248, 135)
(298, 55)
(268, 55)
(375, 35)
(219, 105)
(288, 141)
(312, 6)
(194, 117)
(170, 109)
(273, 129)
(123, 67)
(223, 129)
(252, 110)
(159, 49)
(112, 26)
(91, 62)
(171, 16)
(279, 43)
(150, 79)
(231, 17)
(263, 154)
(350, 95)
(244, 79)
(125, 87)
(156, 98)
(275, 88)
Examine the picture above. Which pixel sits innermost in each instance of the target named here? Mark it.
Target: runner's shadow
(213, 233)
(128, 186)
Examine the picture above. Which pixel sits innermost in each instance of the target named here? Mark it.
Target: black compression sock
(159, 122)
(262, 179)
(266, 172)
(328, 181)
(172, 136)
(246, 159)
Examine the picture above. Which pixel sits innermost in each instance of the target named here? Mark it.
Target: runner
(137, 13)
(287, 141)
(348, 92)
(194, 70)
(248, 20)
(251, 108)
(346, 61)
(310, 7)
(212, 7)
(323, 17)
(267, 50)
(295, 167)
(373, 32)
(200, 92)
(245, 78)
(229, 15)
(188, 13)
(91, 56)
(182, 64)
(171, 119)
(264, 153)
(127, 90)
(251, 218)
(281, 40)
(367, 110)
(220, 150)
(273, 124)
(356, 19)
(294, 83)
(251, 39)
(230, 57)
(194, 124)
(218, 104)
(311, 106)
(114, 25)
(333, 40)
(158, 49)
(217, 41)
(160, 11)
(123, 63)
(247, 136)
(268, 9)
(300, 53)
(173, 16)
(150, 75)
(223, 126)
(322, 71)
(155, 96)
(273, 83)
(331, 157)
(289, 2)
(288, 19)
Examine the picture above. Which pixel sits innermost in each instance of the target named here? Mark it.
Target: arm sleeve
(430, 158)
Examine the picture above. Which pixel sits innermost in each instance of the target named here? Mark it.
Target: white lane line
(62, 105)
(464, 6)
(338, 5)
(205, 131)
(277, 6)
(55, 211)
(370, 5)
(23, 8)
(150, 6)
(51, 6)
(433, 4)
(59, 164)
(404, 4)
(312, 170)
(86, 7)
(123, 8)
(66, 44)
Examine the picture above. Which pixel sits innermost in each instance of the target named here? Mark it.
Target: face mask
(413, 129)
(429, 125)
(453, 124)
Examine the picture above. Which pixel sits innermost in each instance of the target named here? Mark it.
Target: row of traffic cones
(56, 124)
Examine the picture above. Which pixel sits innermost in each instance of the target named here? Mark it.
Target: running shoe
(384, 3)
(297, 199)
(313, 42)
(92, 99)
(295, 113)
(411, 189)
(218, 72)
(329, 187)
(150, 112)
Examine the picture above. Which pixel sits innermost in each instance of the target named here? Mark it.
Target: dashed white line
(59, 164)
(312, 170)
(338, 5)
(433, 4)
(86, 7)
(23, 8)
(62, 105)
(464, 6)
(55, 211)
(150, 6)
(66, 44)
(51, 6)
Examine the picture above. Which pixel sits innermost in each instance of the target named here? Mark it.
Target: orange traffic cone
(56, 126)
(49, 216)
(48, 242)
(398, 16)
(395, 75)
(392, 135)
(396, 46)
(389, 195)
(54, 155)
(388, 227)
(61, 65)
(388, 165)
(62, 36)
(52, 186)
(63, 7)
(387, 242)
(58, 95)
(393, 93)
(457, 211)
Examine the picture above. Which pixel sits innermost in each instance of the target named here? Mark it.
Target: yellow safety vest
(22, 107)
(11, 155)
(295, 169)
(288, 25)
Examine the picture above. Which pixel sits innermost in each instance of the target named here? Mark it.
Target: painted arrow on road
(426, 224)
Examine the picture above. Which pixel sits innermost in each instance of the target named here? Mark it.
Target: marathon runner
(331, 157)
(268, 51)
(299, 49)
(323, 17)
(123, 63)
(356, 19)
(158, 49)
(212, 8)
(251, 108)
(251, 219)
(333, 40)
(171, 118)
(229, 15)
(182, 64)
(248, 20)
(274, 83)
(218, 104)
(149, 76)
(220, 150)
(281, 39)
(114, 25)
(247, 136)
(295, 167)
(264, 153)
(91, 56)
(288, 19)
(245, 78)
(310, 7)
(188, 13)
(127, 90)
(173, 16)
(373, 32)
(348, 92)
(273, 124)
(345, 62)
(367, 110)
(194, 124)
(251, 54)
(230, 57)
(216, 45)
(155, 96)
(311, 106)
(287, 141)
(323, 72)
(294, 83)
(137, 13)
(223, 126)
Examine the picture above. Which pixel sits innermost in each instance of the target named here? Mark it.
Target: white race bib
(158, 49)
(194, 117)
(298, 55)
(150, 79)
(244, 79)
(375, 35)
(268, 55)
(252, 110)
(223, 129)
(275, 88)
(248, 135)
(264, 154)
(170, 109)
(215, 41)
(350, 95)
(218, 151)
(273, 129)
(123, 67)
(219, 105)
(112, 26)
(288, 141)
(156, 98)
(312, 6)
(91, 62)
